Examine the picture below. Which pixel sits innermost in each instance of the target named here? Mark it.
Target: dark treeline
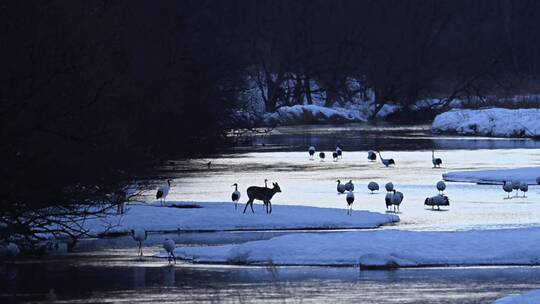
(402, 50)
(93, 93)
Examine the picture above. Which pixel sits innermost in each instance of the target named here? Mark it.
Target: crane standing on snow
(437, 162)
(339, 152)
(441, 186)
(335, 156)
(350, 200)
(507, 187)
(349, 186)
(322, 156)
(340, 187)
(386, 162)
(524, 187)
(163, 191)
(373, 186)
(515, 186)
(397, 198)
(371, 155)
(235, 196)
(311, 151)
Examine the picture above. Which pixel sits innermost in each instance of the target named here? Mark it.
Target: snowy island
(223, 217)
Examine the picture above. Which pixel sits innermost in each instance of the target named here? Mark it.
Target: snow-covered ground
(491, 122)
(305, 114)
(380, 248)
(222, 216)
(319, 114)
(531, 297)
(524, 175)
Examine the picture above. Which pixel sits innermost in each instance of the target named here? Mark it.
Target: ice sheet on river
(222, 216)
(531, 297)
(526, 175)
(380, 248)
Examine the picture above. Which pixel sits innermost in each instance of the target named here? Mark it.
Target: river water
(106, 270)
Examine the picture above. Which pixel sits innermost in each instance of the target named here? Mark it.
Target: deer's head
(276, 187)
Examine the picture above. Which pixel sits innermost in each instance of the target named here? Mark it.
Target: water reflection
(382, 136)
(139, 277)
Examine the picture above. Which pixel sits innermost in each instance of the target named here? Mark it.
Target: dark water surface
(120, 279)
(381, 136)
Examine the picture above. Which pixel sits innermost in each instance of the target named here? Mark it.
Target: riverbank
(489, 122)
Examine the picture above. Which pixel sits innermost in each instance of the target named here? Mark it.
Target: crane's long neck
(432, 154)
(235, 187)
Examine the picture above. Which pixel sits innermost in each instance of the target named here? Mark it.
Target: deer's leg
(270, 204)
(251, 205)
(249, 201)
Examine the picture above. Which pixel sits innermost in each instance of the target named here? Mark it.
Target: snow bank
(222, 216)
(307, 114)
(380, 248)
(491, 122)
(525, 175)
(531, 297)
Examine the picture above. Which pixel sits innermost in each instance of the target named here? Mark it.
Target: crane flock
(393, 197)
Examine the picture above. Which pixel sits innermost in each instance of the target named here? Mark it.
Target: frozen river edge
(529, 175)
(384, 249)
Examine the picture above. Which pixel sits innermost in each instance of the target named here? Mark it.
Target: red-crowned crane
(235, 196)
(524, 187)
(139, 235)
(371, 155)
(350, 201)
(386, 161)
(311, 151)
(437, 162)
(373, 186)
(340, 187)
(322, 156)
(169, 246)
(163, 191)
(441, 186)
(507, 187)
